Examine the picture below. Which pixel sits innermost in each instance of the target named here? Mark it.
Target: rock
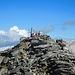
(1, 59)
(15, 52)
(3, 71)
(5, 60)
(42, 46)
(38, 56)
(22, 38)
(70, 45)
(59, 41)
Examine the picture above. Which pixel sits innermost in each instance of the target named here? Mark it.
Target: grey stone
(5, 60)
(37, 56)
(42, 46)
(14, 53)
(1, 59)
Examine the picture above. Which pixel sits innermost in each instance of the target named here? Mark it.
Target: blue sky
(58, 14)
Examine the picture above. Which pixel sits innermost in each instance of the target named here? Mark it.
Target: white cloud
(2, 32)
(12, 36)
(4, 48)
(68, 23)
(15, 28)
(44, 30)
(18, 31)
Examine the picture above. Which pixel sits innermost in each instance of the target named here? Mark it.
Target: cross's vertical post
(31, 32)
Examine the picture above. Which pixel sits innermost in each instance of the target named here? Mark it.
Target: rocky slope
(70, 45)
(37, 56)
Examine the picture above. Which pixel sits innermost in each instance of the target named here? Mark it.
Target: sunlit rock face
(70, 45)
(39, 55)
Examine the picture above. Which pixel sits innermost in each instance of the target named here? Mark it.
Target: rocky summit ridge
(37, 56)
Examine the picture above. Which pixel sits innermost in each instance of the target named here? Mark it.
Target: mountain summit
(37, 55)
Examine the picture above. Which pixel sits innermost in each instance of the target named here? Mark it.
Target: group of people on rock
(37, 34)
